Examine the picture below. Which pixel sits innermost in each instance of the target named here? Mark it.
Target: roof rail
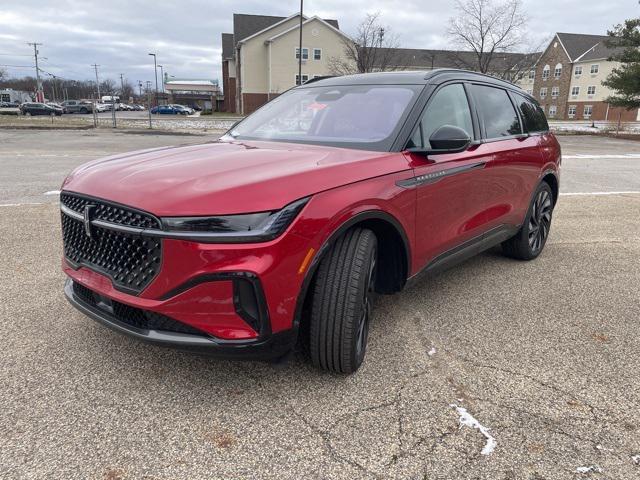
(318, 78)
(438, 71)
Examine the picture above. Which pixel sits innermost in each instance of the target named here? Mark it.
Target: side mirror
(449, 138)
(446, 139)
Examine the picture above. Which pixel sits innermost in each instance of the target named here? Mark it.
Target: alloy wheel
(367, 307)
(540, 221)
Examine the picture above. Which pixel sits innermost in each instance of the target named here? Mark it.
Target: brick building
(568, 76)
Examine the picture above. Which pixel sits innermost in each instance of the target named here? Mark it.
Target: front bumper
(267, 347)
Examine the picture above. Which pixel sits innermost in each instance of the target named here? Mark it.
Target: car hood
(226, 177)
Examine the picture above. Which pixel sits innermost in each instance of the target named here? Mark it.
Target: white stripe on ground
(52, 192)
(24, 204)
(588, 155)
(586, 194)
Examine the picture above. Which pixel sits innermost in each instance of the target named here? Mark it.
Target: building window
(572, 111)
(543, 92)
(555, 91)
(317, 53)
(552, 110)
(595, 69)
(578, 71)
(532, 74)
(305, 77)
(305, 53)
(591, 90)
(545, 72)
(557, 73)
(575, 91)
(588, 110)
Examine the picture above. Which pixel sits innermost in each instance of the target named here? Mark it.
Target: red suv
(281, 233)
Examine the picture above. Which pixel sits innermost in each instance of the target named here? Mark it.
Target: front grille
(109, 212)
(131, 261)
(135, 317)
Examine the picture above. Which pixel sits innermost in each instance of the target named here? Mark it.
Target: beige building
(260, 59)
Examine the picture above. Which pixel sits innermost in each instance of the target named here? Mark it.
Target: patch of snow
(466, 419)
(432, 352)
(52, 192)
(636, 459)
(589, 469)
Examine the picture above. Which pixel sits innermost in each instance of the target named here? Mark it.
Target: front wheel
(342, 302)
(528, 243)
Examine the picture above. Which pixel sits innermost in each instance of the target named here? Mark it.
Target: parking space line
(586, 194)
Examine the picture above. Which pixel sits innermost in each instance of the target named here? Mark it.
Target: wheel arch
(392, 240)
(551, 178)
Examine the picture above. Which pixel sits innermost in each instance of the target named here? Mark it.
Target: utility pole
(39, 92)
(300, 56)
(162, 78)
(155, 69)
(97, 81)
(122, 84)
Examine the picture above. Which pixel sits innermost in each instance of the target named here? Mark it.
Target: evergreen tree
(625, 79)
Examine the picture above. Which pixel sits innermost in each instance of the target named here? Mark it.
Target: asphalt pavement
(536, 364)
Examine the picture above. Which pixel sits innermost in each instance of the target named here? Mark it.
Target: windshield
(355, 116)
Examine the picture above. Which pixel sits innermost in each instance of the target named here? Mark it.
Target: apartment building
(568, 76)
(260, 58)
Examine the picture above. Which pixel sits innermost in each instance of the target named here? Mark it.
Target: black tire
(343, 294)
(528, 243)
(84, 110)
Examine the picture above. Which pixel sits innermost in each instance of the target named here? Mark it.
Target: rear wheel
(532, 236)
(342, 302)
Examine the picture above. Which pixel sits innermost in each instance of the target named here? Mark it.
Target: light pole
(300, 49)
(155, 69)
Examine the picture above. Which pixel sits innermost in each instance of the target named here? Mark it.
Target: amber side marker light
(305, 262)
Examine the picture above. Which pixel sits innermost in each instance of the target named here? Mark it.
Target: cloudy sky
(185, 34)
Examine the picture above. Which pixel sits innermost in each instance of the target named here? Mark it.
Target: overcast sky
(118, 34)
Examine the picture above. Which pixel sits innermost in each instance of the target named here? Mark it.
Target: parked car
(195, 107)
(77, 106)
(282, 232)
(169, 110)
(188, 110)
(125, 107)
(9, 105)
(102, 107)
(33, 108)
(138, 108)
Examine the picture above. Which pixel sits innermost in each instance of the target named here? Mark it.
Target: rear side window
(496, 111)
(532, 115)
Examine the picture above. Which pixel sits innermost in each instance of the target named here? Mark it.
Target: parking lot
(544, 355)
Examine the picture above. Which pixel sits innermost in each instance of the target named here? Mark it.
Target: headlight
(250, 227)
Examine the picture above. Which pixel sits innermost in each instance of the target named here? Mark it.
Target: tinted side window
(532, 115)
(449, 106)
(496, 111)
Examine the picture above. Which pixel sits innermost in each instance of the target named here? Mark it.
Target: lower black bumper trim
(269, 348)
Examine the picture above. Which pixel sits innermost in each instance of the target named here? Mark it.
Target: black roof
(577, 44)
(429, 58)
(436, 76)
(245, 25)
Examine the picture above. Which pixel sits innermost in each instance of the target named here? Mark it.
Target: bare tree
(490, 29)
(3, 74)
(372, 49)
